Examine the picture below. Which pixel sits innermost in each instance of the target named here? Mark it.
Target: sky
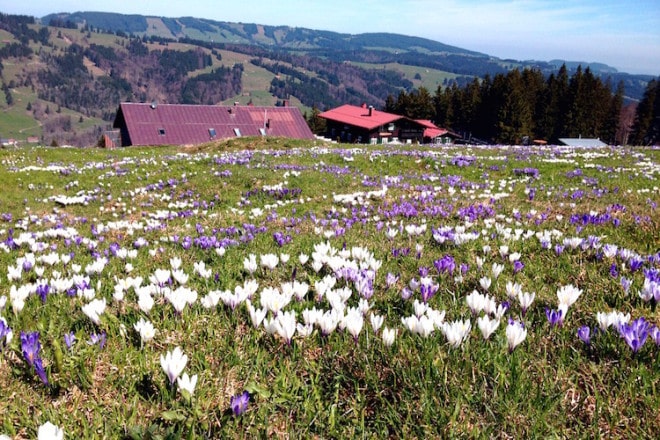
(623, 34)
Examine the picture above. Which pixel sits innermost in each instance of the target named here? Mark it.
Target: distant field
(431, 78)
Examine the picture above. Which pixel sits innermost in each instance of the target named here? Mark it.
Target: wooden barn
(179, 124)
(366, 125)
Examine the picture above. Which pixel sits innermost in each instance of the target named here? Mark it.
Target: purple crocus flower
(239, 403)
(4, 331)
(635, 333)
(30, 346)
(517, 266)
(69, 339)
(42, 291)
(40, 370)
(625, 284)
(614, 272)
(584, 333)
(446, 264)
(97, 338)
(391, 279)
(655, 335)
(555, 317)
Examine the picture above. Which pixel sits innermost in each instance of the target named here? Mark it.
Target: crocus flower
(173, 363)
(145, 329)
(48, 431)
(30, 346)
(487, 326)
(239, 403)
(584, 333)
(526, 299)
(635, 333)
(515, 334)
(187, 383)
(655, 335)
(555, 317)
(568, 295)
(97, 338)
(388, 335)
(94, 310)
(518, 266)
(69, 339)
(5, 332)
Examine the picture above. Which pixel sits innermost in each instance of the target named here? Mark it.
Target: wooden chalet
(179, 124)
(366, 125)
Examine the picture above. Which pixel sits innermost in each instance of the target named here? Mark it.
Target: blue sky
(623, 34)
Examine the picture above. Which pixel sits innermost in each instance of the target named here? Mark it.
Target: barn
(181, 124)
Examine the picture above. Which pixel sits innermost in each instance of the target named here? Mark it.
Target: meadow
(268, 288)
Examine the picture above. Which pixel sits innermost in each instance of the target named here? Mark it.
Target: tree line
(521, 106)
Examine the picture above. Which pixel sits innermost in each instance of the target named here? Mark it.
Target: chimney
(285, 103)
(364, 105)
(371, 110)
(236, 103)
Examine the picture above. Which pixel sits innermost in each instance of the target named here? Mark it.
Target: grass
(167, 202)
(430, 78)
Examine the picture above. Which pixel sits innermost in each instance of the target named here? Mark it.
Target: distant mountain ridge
(308, 40)
(284, 37)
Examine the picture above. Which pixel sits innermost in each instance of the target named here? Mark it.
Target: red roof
(431, 130)
(360, 116)
(179, 124)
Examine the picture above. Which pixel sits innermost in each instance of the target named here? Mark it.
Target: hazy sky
(623, 34)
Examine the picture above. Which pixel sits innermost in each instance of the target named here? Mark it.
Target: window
(237, 132)
(161, 132)
(212, 133)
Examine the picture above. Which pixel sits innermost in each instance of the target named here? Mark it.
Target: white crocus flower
(515, 334)
(250, 263)
(94, 310)
(145, 300)
(485, 282)
(389, 335)
(376, 321)
(269, 261)
(353, 321)
(526, 299)
(487, 326)
(456, 332)
(173, 363)
(187, 383)
(567, 295)
(145, 329)
(48, 431)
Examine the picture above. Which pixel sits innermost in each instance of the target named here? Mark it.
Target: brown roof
(179, 124)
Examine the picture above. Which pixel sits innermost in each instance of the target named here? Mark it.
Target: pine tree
(646, 129)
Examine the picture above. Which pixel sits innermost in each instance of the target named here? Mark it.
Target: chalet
(178, 124)
(362, 124)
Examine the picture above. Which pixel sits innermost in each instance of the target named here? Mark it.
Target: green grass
(430, 78)
(550, 386)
